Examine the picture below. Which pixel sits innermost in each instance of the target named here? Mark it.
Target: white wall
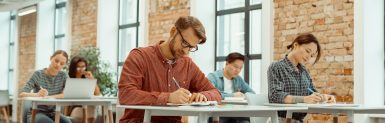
(368, 54)
(44, 33)
(107, 31)
(205, 56)
(4, 49)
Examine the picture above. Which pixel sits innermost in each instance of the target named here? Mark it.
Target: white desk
(335, 109)
(350, 111)
(67, 102)
(204, 112)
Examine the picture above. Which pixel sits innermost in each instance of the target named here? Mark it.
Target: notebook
(207, 103)
(77, 88)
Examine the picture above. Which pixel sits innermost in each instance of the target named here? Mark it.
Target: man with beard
(163, 73)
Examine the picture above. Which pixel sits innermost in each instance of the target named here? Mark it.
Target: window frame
(12, 30)
(135, 24)
(248, 57)
(58, 5)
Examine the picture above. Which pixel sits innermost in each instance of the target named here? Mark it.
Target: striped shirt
(284, 80)
(146, 79)
(54, 85)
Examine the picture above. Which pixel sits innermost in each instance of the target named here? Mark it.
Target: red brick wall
(331, 21)
(162, 15)
(26, 50)
(84, 24)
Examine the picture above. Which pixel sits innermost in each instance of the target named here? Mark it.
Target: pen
(177, 84)
(311, 91)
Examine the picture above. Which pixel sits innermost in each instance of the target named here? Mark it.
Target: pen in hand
(317, 94)
(177, 84)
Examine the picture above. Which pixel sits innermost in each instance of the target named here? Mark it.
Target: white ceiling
(8, 5)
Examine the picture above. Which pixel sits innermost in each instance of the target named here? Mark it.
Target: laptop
(77, 88)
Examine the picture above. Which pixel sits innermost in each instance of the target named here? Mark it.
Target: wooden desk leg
(288, 120)
(84, 114)
(103, 114)
(110, 116)
(335, 119)
(5, 114)
(34, 111)
(57, 113)
(288, 116)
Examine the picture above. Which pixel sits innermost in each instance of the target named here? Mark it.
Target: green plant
(101, 70)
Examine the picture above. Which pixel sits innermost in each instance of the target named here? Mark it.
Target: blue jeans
(48, 118)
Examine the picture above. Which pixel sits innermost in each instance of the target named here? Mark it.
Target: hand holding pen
(325, 98)
(182, 93)
(42, 92)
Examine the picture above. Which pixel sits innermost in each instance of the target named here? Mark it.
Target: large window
(238, 29)
(128, 30)
(60, 25)
(12, 53)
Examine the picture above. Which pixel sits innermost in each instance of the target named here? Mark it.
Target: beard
(175, 53)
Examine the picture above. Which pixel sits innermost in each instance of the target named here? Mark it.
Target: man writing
(163, 73)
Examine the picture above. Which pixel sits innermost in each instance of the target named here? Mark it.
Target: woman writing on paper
(47, 82)
(290, 82)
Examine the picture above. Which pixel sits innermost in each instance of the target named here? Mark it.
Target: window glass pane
(11, 56)
(255, 75)
(127, 42)
(60, 20)
(60, 44)
(12, 31)
(255, 32)
(255, 2)
(119, 72)
(11, 82)
(128, 10)
(229, 4)
(230, 34)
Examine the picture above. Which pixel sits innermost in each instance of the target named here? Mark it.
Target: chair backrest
(4, 98)
(257, 99)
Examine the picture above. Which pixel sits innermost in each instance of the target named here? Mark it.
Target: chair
(257, 99)
(4, 103)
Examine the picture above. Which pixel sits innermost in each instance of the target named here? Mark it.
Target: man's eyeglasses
(185, 44)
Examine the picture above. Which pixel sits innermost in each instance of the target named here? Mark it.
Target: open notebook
(207, 103)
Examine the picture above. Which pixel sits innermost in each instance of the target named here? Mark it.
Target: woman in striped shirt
(47, 82)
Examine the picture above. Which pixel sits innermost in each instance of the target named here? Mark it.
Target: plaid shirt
(284, 80)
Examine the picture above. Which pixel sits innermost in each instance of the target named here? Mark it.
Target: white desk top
(242, 102)
(310, 105)
(218, 108)
(42, 99)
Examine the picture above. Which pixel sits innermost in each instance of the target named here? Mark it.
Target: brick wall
(162, 15)
(84, 24)
(331, 21)
(26, 50)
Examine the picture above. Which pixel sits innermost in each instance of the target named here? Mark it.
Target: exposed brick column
(162, 15)
(84, 24)
(331, 21)
(26, 51)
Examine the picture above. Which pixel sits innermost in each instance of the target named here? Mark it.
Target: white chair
(4, 102)
(257, 99)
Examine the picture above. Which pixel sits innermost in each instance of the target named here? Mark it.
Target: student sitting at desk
(290, 82)
(78, 69)
(47, 82)
(163, 73)
(230, 84)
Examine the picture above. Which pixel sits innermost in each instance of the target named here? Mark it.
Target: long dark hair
(307, 39)
(73, 65)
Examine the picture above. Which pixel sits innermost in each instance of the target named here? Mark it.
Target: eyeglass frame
(185, 44)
